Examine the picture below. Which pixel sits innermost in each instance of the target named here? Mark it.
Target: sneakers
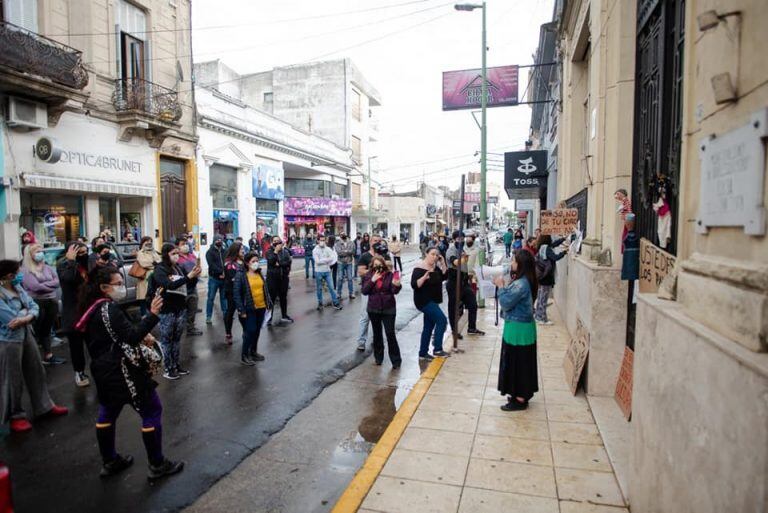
(361, 346)
(208, 320)
(426, 358)
(338, 306)
(244, 360)
(287, 319)
(166, 468)
(514, 405)
(475, 331)
(319, 307)
(116, 466)
(171, 375)
(54, 360)
(257, 357)
(193, 332)
(395, 366)
(181, 371)
(441, 354)
(20, 425)
(82, 379)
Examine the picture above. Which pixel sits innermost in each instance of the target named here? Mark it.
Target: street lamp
(370, 196)
(483, 128)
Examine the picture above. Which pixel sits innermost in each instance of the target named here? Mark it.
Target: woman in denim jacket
(19, 356)
(518, 375)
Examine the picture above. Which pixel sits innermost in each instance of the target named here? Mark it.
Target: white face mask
(321, 243)
(255, 266)
(174, 259)
(117, 293)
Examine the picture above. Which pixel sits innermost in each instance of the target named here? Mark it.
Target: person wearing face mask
(42, 283)
(457, 256)
(309, 260)
(73, 275)
(252, 299)
(345, 249)
(324, 257)
(363, 266)
(279, 262)
(396, 249)
(102, 256)
(188, 261)
(123, 372)
(20, 361)
(172, 279)
(215, 258)
(233, 264)
(380, 286)
(147, 258)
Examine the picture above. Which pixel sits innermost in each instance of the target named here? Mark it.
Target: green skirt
(519, 333)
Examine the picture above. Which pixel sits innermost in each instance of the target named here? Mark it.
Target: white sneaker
(81, 379)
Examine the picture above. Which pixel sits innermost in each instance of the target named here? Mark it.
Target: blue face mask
(17, 279)
(39, 257)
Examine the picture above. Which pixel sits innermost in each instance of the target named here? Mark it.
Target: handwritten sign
(655, 265)
(623, 393)
(576, 356)
(560, 221)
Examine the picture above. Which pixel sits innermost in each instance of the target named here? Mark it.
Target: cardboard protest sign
(655, 265)
(576, 356)
(560, 221)
(623, 393)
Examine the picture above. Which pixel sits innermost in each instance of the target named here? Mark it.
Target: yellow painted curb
(353, 496)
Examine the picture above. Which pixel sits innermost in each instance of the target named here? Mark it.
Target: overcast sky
(416, 42)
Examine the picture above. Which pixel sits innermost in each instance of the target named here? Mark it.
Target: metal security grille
(658, 112)
(579, 202)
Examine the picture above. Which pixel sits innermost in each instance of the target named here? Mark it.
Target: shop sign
(431, 210)
(268, 182)
(463, 89)
(48, 150)
(576, 356)
(623, 393)
(655, 265)
(318, 207)
(560, 221)
(525, 172)
(525, 204)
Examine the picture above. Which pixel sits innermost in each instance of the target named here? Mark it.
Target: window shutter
(22, 13)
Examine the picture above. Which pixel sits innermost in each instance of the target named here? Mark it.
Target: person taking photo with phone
(381, 286)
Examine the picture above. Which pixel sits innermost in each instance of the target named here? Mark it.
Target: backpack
(544, 266)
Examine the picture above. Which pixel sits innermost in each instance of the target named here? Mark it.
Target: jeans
(398, 262)
(151, 412)
(541, 303)
(309, 259)
(49, 310)
(229, 315)
(321, 277)
(171, 328)
(215, 285)
(251, 330)
(334, 272)
(363, 320)
(508, 249)
(434, 319)
(467, 298)
(387, 321)
(346, 272)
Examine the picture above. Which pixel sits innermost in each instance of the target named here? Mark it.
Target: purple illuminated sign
(462, 89)
(318, 207)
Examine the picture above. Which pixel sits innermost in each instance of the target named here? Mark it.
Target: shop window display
(54, 219)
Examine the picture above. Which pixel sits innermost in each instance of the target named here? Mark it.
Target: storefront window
(339, 190)
(54, 219)
(225, 223)
(224, 187)
(307, 188)
(108, 216)
(131, 221)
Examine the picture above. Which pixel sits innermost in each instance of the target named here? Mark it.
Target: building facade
(109, 114)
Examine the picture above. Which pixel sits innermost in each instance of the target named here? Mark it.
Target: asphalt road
(212, 419)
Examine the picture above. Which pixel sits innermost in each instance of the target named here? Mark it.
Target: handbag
(148, 358)
(137, 271)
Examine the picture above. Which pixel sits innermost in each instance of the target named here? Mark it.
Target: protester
(42, 284)
(423, 239)
(279, 262)
(396, 248)
(171, 281)
(20, 361)
(121, 362)
(324, 257)
(508, 238)
(365, 244)
(345, 250)
(102, 256)
(427, 283)
(518, 374)
(187, 262)
(546, 263)
(73, 275)
(358, 251)
(363, 266)
(147, 258)
(517, 242)
(381, 285)
(472, 249)
(309, 245)
(253, 243)
(530, 246)
(331, 242)
(252, 299)
(215, 259)
(233, 264)
(443, 245)
(457, 256)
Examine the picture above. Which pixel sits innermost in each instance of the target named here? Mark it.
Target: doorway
(173, 192)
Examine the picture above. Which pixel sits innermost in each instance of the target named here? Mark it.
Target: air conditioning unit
(26, 114)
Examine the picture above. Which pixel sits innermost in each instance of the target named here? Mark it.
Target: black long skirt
(518, 372)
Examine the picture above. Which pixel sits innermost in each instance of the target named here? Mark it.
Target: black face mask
(378, 248)
(82, 259)
(218, 243)
(469, 243)
(105, 257)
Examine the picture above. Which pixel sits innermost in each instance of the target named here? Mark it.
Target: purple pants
(151, 429)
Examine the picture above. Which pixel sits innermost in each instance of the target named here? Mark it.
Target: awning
(81, 185)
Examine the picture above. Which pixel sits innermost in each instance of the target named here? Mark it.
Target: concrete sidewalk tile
(585, 507)
(515, 450)
(511, 477)
(587, 457)
(426, 466)
(474, 500)
(450, 403)
(457, 389)
(588, 485)
(575, 433)
(552, 372)
(554, 383)
(493, 394)
(395, 495)
(515, 425)
(535, 411)
(479, 368)
(570, 413)
(447, 421)
(462, 378)
(551, 359)
(564, 397)
(437, 441)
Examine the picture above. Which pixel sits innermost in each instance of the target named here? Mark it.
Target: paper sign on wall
(576, 356)
(623, 393)
(560, 221)
(655, 265)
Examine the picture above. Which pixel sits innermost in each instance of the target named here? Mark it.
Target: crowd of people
(251, 280)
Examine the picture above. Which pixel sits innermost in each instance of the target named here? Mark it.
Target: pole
(457, 290)
(370, 199)
(483, 149)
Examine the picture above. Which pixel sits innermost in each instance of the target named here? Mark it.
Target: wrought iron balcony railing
(135, 94)
(28, 52)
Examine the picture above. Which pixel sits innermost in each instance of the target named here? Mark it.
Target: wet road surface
(213, 418)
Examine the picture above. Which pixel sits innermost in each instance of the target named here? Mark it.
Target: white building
(405, 215)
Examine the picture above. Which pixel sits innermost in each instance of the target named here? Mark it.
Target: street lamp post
(370, 196)
(483, 131)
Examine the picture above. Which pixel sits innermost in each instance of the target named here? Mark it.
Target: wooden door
(174, 201)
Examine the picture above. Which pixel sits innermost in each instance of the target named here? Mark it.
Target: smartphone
(397, 275)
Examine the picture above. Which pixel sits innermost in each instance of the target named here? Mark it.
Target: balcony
(39, 68)
(143, 105)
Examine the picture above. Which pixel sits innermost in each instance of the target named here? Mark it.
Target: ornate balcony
(142, 105)
(33, 54)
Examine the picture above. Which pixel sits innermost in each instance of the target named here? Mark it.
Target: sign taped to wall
(655, 265)
(576, 356)
(623, 393)
(560, 221)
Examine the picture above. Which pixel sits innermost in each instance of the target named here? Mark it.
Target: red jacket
(381, 295)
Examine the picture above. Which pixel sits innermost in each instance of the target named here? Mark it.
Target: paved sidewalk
(461, 453)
